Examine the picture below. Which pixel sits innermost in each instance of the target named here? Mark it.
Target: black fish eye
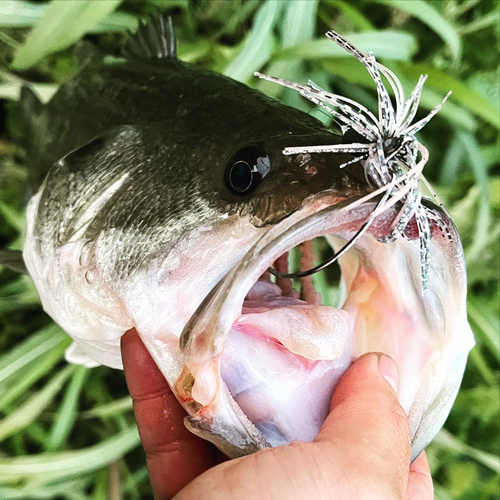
(241, 176)
(246, 169)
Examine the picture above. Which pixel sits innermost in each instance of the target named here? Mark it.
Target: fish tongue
(309, 330)
(303, 326)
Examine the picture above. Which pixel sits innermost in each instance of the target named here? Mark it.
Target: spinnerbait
(392, 158)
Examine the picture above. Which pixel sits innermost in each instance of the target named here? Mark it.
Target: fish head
(136, 227)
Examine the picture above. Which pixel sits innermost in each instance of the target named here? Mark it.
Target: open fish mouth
(261, 361)
(260, 364)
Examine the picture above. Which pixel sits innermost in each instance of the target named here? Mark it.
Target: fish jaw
(284, 387)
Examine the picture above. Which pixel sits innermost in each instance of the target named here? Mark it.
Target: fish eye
(246, 169)
(241, 176)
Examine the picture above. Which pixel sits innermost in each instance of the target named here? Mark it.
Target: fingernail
(389, 370)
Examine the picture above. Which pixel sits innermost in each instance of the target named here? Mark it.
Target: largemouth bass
(168, 203)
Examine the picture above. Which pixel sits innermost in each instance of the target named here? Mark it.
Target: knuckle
(149, 395)
(164, 449)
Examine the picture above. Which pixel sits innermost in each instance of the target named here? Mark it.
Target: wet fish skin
(136, 151)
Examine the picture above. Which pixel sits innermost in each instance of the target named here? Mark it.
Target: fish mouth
(262, 359)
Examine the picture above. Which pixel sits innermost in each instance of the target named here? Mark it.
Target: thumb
(370, 428)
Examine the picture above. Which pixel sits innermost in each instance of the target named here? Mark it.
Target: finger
(370, 427)
(420, 485)
(174, 455)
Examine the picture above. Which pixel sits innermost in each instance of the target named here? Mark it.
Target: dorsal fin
(153, 39)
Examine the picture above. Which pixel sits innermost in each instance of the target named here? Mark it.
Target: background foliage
(68, 432)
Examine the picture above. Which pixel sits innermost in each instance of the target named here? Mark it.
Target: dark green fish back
(153, 90)
(55, 129)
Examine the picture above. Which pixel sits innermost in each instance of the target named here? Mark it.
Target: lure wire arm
(330, 261)
(342, 251)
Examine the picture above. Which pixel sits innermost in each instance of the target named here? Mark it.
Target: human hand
(362, 451)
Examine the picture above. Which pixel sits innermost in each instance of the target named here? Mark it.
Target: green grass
(68, 432)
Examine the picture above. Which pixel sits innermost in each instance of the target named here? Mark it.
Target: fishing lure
(392, 157)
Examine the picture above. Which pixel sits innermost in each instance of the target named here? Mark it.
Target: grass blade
(486, 21)
(487, 323)
(298, 27)
(258, 46)
(34, 371)
(114, 489)
(36, 345)
(451, 163)
(109, 409)
(66, 415)
(29, 411)
(353, 14)
(477, 359)
(449, 441)
(426, 13)
(462, 93)
(388, 44)
(12, 90)
(19, 294)
(62, 24)
(299, 22)
(115, 22)
(478, 167)
(72, 489)
(52, 466)
(20, 14)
